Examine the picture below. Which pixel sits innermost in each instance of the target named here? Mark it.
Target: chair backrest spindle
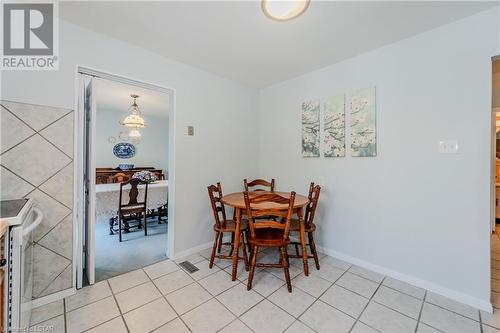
(252, 210)
(250, 186)
(313, 197)
(215, 195)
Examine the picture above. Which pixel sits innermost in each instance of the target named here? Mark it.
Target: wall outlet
(191, 130)
(448, 147)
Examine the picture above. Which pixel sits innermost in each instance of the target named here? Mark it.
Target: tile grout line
(22, 121)
(237, 282)
(235, 319)
(70, 260)
(118, 306)
(37, 132)
(2, 101)
(263, 298)
(55, 174)
(35, 187)
(371, 298)
(119, 292)
(316, 298)
(19, 143)
(54, 145)
(420, 312)
(18, 176)
(166, 300)
(296, 318)
(364, 308)
(480, 323)
(420, 318)
(452, 311)
(102, 323)
(96, 301)
(402, 292)
(64, 314)
(38, 241)
(55, 278)
(31, 324)
(101, 299)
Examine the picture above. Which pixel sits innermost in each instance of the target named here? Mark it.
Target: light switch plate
(448, 147)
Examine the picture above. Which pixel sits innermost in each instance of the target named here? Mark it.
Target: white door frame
(78, 142)
(493, 158)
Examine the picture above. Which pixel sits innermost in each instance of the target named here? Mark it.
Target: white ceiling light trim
(284, 10)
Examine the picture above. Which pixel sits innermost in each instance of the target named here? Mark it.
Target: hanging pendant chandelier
(134, 119)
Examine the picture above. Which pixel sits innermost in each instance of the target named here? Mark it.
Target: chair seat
(295, 226)
(230, 225)
(268, 237)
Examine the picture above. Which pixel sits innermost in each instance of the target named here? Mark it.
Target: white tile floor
(338, 298)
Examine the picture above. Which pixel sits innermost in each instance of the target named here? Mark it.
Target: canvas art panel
(334, 126)
(310, 128)
(362, 108)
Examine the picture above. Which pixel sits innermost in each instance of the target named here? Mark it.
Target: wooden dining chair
(269, 233)
(223, 225)
(133, 210)
(257, 184)
(309, 226)
(118, 177)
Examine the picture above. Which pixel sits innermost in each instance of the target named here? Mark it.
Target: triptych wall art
(361, 108)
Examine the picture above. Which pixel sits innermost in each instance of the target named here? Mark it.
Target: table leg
(303, 241)
(236, 244)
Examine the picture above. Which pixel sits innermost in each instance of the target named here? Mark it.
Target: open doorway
(124, 175)
(120, 155)
(495, 235)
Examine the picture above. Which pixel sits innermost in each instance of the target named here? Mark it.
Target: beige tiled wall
(37, 161)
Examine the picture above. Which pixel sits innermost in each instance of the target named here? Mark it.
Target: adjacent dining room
(131, 178)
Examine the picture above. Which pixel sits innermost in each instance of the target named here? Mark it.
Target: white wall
(410, 211)
(152, 150)
(222, 112)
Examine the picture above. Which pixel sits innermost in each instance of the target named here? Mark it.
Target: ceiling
(115, 96)
(235, 40)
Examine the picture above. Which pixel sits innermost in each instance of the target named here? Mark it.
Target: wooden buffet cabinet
(102, 174)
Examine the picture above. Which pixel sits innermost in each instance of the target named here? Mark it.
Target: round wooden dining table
(237, 200)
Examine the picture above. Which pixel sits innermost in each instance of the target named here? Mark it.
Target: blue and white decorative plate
(124, 150)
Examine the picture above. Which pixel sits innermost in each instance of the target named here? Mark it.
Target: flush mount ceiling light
(284, 10)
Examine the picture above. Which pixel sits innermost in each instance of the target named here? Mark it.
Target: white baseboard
(191, 251)
(188, 252)
(435, 288)
(53, 297)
